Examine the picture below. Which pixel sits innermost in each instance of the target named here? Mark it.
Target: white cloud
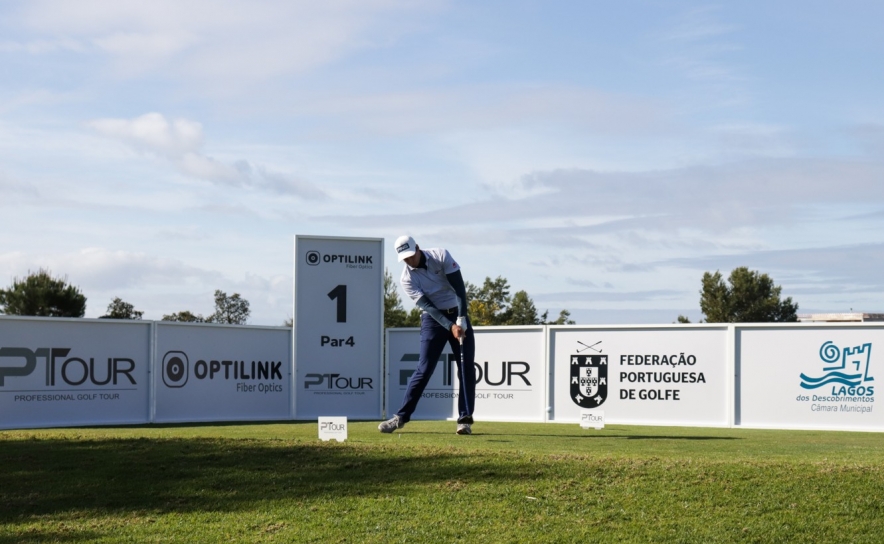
(487, 107)
(571, 297)
(154, 133)
(698, 33)
(104, 269)
(180, 141)
(870, 136)
(140, 45)
(283, 184)
(233, 39)
(10, 187)
(102, 274)
(207, 168)
(712, 199)
(42, 47)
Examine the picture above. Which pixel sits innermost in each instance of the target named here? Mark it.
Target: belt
(450, 311)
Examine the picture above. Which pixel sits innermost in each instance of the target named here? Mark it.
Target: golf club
(462, 322)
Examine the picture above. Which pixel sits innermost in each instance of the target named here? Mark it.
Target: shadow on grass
(52, 536)
(611, 437)
(502, 437)
(57, 476)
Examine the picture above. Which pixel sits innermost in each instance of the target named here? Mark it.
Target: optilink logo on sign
(314, 258)
(847, 370)
(176, 370)
(61, 369)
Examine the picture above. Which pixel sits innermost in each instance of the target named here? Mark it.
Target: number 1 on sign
(339, 293)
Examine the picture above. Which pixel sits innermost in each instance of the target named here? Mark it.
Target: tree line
(41, 294)
(490, 304)
(748, 297)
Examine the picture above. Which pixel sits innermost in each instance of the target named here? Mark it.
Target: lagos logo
(589, 380)
(846, 369)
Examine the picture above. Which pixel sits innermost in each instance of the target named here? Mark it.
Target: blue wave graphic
(831, 374)
(832, 377)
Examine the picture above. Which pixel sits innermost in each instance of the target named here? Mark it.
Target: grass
(510, 482)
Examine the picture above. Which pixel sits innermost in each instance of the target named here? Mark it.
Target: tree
(230, 310)
(394, 314)
(751, 297)
(563, 319)
(489, 304)
(413, 319)
(682, 319)
(40, 294)
(522, 310)
(185, 317)
(118, 309)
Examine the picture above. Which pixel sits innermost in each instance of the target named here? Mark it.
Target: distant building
(844, 317)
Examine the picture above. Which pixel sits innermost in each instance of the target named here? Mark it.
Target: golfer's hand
(456, 331)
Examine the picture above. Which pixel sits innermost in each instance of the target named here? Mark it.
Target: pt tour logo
(73, 371)
(847, 369)
(589, 376)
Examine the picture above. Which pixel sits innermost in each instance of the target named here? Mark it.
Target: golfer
(433, 280)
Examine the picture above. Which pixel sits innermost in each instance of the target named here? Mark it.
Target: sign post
(338, 326)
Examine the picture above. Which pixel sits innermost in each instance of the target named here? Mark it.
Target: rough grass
(510, 482)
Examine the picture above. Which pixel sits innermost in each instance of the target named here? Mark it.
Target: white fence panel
(222, 373)
(824, 377)
(647, 375)
(70, 372)
(66, 372)
(510, 375)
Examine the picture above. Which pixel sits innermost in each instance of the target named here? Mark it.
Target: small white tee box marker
(592, 418)
(332, 428)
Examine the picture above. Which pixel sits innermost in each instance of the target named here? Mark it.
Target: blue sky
(599, 155)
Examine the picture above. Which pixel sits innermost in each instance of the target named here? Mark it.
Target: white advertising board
(663, 375)
(810, 377)
(63, 372)
(222, 373)
(338, 323)
(510, 375)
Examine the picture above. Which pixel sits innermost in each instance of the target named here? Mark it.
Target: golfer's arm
(424, 304)
(455, 279)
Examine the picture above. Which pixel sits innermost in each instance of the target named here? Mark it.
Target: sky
(599, 155)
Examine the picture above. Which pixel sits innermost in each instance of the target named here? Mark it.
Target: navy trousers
(433, 339)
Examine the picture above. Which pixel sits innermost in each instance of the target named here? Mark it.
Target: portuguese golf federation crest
(589, 380)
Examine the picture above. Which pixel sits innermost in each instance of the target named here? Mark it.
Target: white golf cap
(405, 247)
